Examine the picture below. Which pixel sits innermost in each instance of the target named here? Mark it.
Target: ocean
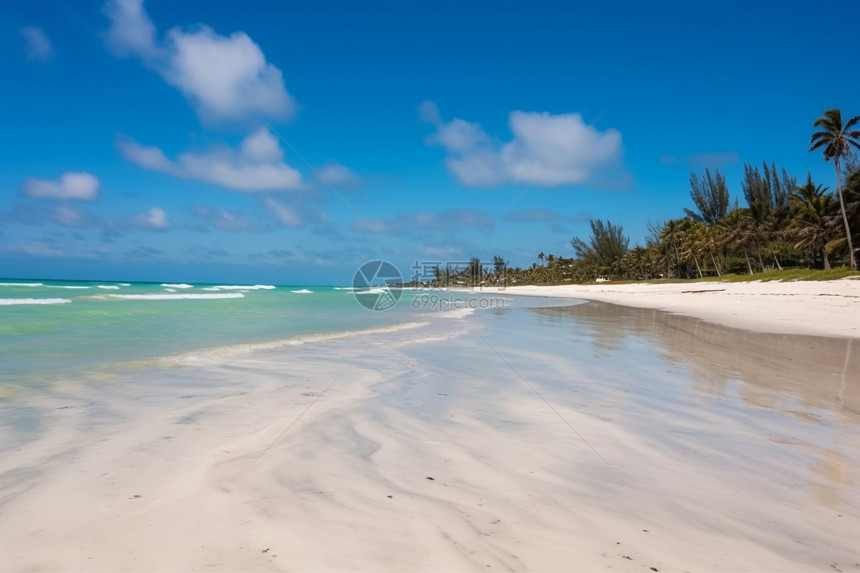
(51, 331)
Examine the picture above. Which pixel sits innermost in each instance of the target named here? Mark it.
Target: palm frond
(835, 244)
(852, 122)
(818, 144)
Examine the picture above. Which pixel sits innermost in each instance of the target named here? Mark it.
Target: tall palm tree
(499, 264)
(838, 141)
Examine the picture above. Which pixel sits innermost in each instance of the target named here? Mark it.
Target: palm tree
(499, 264)
(736, 233)
(812, 206)
(695, 243)
(671, 234)
(475, 271)
(838, 141)
(499, 268)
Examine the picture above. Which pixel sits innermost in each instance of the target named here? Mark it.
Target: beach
(672, 432)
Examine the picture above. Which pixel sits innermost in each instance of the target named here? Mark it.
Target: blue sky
(289, 143)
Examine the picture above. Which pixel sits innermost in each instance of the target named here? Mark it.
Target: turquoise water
(53, 330)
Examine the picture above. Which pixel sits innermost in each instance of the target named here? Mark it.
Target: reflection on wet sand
(815, 380)
(778, 371)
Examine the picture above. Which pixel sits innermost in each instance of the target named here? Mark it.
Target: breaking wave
(177, 296)
(15, 301)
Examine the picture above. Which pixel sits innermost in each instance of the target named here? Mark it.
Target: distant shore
(818, 308)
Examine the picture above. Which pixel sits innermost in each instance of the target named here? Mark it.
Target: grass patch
(785, 275)
(799, 274)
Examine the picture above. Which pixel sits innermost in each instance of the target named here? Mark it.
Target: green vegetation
(786, 231)
(711, 197)
(606, 246)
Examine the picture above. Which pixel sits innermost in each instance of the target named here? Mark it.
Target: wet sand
(560, 438)
(819, 308)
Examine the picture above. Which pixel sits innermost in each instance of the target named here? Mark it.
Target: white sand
(680, 448)
(820, 308)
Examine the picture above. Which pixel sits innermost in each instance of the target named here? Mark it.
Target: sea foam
(221, 352)
(179, 285)
(177, 296)
(22, 284)
(14, 301)
(240, 287)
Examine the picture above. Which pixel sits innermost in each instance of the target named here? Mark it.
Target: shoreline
(814, 308)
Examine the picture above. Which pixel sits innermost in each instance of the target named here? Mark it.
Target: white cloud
(82, 186)
(39, 47)
(546, 150)
(428, 111)
(338, 175)
(286, 215)
(37, 249)
(154, 219)
(449, 220)
(146, 156)
(62, 214)
(460, 137)
(297, 213)
(261, 146)
(70, 216)
(257, 165)
(224, 219)
(131, 31)
(226, 78)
